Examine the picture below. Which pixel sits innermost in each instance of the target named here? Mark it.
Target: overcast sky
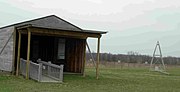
(132, 25)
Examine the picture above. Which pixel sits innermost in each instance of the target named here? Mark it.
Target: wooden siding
(6, 49)
(75, 55)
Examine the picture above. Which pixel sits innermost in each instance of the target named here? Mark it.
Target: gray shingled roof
(54, 22)
(51, 21)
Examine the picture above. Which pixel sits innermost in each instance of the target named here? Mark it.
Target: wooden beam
(23, 26)
(55, 35)
(52, 32)
(28, 54)
(91, 55)
(18, 54)
(97, 63)
(84, 64)
(14, 51)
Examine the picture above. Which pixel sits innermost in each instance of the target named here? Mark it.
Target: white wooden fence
(42, 72)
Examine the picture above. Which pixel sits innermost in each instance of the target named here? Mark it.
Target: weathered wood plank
(18, 54)
(6, 57)
(44, 31)
(97, 65)
(28, 54)
(84, 60)
(14, 52)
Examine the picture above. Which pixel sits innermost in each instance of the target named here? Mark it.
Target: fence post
(38, 60)
(22, 66)
(40, 72)
(61, 73)
(49, 68)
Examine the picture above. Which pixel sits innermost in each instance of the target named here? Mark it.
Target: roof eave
(89, 34)
(96, 32)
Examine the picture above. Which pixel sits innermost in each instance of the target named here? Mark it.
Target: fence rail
(51, 70)
(42, 72)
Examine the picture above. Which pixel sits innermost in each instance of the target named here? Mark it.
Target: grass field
(111, 80)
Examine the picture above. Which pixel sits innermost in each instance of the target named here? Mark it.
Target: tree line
(132, 57)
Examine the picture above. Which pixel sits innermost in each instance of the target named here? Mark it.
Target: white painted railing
(51, 70)
(42, 72)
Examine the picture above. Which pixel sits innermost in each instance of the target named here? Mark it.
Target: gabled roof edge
(25, 21)
(39, 19)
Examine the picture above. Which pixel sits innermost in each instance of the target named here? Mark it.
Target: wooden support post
(84, 64)
(18, 54)
(40, 72)
(97, 63)
(61, 73)
(14, 52)
(28, 54)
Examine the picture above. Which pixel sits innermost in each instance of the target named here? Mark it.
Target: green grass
(111, 80)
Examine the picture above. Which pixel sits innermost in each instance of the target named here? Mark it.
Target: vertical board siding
(75, 54)
(6, 58)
